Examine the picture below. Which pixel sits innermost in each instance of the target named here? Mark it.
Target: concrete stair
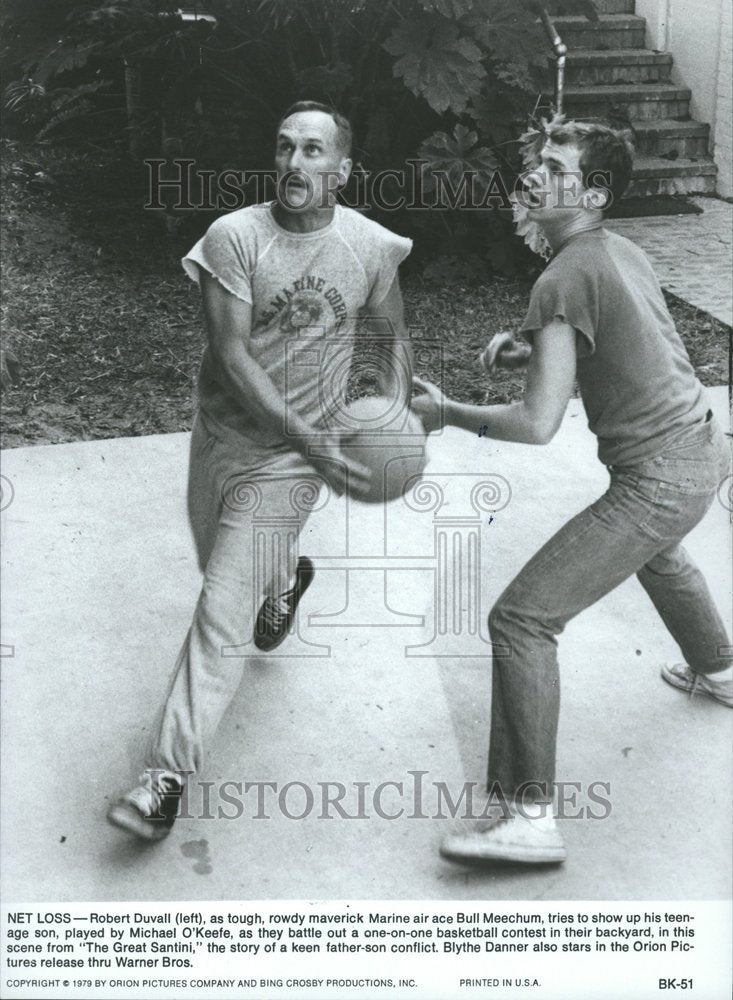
(555, 7)
(643, 101)
(666, 135)
(654, 176)
(611, 31)
(608, 68)
(615, 6)
(617, 66)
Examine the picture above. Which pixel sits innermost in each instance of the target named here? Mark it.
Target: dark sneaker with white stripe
(275, 617)
(150, 809)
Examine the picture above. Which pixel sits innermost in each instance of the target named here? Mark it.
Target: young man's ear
(597, 198)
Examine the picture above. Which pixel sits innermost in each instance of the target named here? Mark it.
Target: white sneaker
(510, 838)
(681, 676)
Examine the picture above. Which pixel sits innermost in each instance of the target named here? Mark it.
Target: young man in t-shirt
(282, 285)
(597, 315)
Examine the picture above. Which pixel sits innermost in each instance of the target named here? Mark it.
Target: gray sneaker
(150, 808)
(681, 676)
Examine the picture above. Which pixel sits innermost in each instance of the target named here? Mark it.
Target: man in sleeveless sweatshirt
(282, 285)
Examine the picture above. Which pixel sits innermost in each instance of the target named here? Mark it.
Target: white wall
(656, 14)
(723, 148)
(697, 33)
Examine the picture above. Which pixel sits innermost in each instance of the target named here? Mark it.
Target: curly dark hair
(606, 154)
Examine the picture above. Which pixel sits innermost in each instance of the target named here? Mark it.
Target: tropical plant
(450, 81)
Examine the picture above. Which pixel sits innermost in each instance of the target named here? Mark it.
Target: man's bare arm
(388, 319)
(229, 326)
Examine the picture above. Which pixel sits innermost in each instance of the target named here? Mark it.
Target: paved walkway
(690, 253)
(387, 674)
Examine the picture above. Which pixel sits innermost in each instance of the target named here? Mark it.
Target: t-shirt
(638, 387)
(306, 292)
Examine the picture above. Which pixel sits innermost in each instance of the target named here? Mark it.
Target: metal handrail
(561, 50)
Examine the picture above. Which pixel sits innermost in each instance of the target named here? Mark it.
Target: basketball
(387, 438)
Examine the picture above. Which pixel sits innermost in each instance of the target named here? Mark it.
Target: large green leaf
(507, 30)
(516, 74)
(458, 157)
(64, 56)
(437, 62)
(531, 142)
(498, 118)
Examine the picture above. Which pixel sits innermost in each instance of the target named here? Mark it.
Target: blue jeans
(635, 527)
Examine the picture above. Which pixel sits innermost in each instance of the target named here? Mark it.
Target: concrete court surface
(100, 582)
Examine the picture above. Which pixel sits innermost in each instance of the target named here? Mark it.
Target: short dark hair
(606, 154)
(343, 125)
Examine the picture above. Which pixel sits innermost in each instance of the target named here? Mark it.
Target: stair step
(655, 166)
(610, 31)
(688, 138)
(615, 6)
(555, 8)
(617, 66)
(654, 176)
(643, 102)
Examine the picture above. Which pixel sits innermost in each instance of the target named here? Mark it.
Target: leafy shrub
(448, 81)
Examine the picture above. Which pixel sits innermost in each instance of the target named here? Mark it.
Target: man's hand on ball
(429, 406)
(340, 470)
(505, 351)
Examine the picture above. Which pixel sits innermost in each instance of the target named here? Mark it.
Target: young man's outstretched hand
(505, 351)
(534, 419)
(502, 351)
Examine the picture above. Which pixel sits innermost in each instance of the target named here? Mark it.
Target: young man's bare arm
(537, 416)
